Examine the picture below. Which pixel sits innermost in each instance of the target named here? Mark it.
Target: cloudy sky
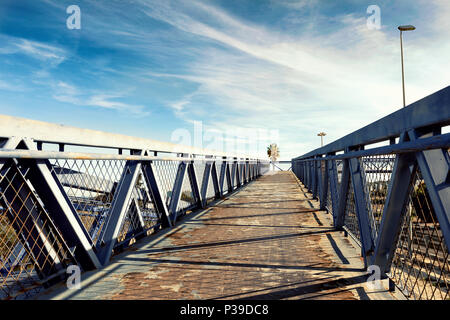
(284, 69)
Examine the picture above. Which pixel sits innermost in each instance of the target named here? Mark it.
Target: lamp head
(406, 28)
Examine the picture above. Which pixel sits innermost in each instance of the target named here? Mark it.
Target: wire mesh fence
(420, 266)
(377, 172)
(329, 200)
(90, 186)
(32, 251)
(166, 172)
(351, 219)
(210, 191)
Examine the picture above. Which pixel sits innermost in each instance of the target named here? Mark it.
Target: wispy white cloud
(336, 82)
(8, 86)
(106, 101)
(247, 75)
(37, 50)
(69, 93)
(294, 4)
(41, 51)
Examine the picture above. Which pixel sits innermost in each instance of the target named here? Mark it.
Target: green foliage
(378, 191)
(422, 203)
(187, 196)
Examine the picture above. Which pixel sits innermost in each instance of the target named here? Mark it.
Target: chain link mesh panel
(187, 199)
(32, 250)
(420, 266)
(141, 214)
(210, 192)
(350, 218)
(225, 182)
(166, 173)
(329, 203)
(377, 175)
(90, 186)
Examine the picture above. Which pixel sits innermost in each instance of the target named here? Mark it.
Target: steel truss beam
(435, 169)
(155, 192)
(343, 194)
(176, 191)
(194, 185)
(118, 211)
(233, 174)
(432, 110)
(229, 178)
(333, 176)
(31, 222)
(60, 208)
(398, 191)
(223, 176)
(324, 185)
(215, 180)
(205, 182)
(361, 207)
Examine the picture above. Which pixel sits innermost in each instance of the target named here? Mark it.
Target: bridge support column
(176, 191)
(155, 191)
(435, 169)
(343, 191)
(215, 180)
(58, 206)
(323, 174)
(361, 206)
(398, 191)
(332, 175)
(118, 211)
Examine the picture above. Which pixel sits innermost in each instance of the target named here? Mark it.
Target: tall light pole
(321, 135)
(404, 28)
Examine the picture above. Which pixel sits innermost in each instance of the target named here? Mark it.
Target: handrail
(432, 110)
(62, 208)
(46, 132)
(393, 200)
(38, 154)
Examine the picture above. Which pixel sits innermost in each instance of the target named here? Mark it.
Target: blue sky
(149, 68)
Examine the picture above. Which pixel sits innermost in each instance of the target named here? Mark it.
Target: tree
(273, 152)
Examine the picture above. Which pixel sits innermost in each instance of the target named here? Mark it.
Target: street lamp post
(404, 28)
(321, 135)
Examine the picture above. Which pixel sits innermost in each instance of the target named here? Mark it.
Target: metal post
(435, 169)
(155, 189)
(394, 209)
(403, 71)
(176, 191)
(118, 211)
(365, 230)
(345, 178)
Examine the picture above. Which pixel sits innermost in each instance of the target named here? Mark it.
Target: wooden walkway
(266, 241)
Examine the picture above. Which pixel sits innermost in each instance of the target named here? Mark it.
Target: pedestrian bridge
(143, 219)
(269, 240)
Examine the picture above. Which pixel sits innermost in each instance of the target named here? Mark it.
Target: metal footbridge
(144, 219)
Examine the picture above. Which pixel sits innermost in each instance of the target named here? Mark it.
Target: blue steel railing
(393, 200)
(62, 208)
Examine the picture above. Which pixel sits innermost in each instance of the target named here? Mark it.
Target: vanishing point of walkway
(266, 241)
